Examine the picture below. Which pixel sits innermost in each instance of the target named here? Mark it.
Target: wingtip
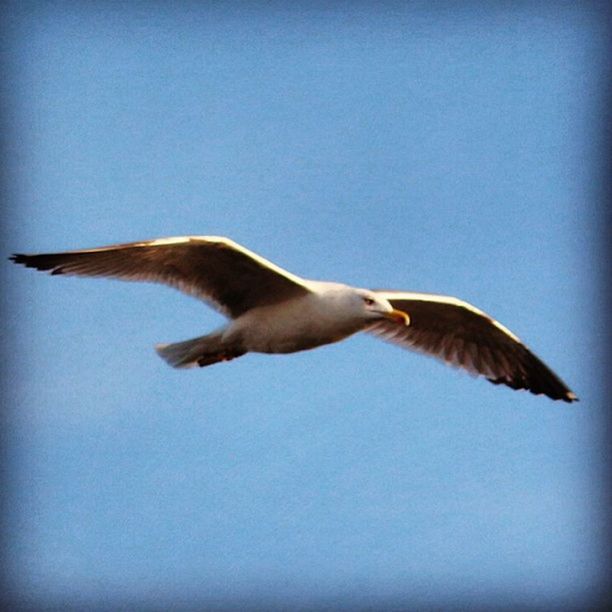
(44, 263)
(24, 260)
(570, 397)
(563, 395)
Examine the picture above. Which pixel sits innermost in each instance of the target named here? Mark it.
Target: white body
(329, 315)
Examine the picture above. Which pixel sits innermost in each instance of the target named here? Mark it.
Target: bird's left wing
(464, 336)
(215, 269)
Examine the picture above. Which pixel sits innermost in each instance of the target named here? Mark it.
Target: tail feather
(189, 353)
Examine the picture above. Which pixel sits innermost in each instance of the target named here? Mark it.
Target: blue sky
(450, 149)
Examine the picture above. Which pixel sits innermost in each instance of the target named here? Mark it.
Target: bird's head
(376, 307)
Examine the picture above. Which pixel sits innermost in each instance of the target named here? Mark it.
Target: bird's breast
(291, 326)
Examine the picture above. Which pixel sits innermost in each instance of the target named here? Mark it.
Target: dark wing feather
(466, 337)
(215, 269)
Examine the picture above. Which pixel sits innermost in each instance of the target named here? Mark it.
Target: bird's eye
(368, 301)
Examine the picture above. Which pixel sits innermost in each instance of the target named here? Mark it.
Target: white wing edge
(213, 239)
(446, 299)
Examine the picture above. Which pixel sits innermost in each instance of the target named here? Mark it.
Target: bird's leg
(212, 358)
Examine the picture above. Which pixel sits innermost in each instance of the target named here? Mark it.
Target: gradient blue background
(446, 147)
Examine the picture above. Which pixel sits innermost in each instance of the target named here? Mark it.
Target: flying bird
(271, 310)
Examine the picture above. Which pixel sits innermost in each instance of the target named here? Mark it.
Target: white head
(357, 307)
(374, 307)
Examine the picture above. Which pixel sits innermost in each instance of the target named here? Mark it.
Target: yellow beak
(399, 316)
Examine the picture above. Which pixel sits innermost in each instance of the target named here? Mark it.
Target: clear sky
(445, 147)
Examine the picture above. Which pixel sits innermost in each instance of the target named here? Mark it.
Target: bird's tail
(201, 351)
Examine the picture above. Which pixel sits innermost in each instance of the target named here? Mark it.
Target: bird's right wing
(215, 269)
(464, 336)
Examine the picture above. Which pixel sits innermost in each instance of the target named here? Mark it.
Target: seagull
(271, 310)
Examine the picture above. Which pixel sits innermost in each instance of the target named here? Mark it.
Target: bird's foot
(212, 358)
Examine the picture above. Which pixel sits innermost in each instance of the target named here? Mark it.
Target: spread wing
(224, 274)
(464, 336)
